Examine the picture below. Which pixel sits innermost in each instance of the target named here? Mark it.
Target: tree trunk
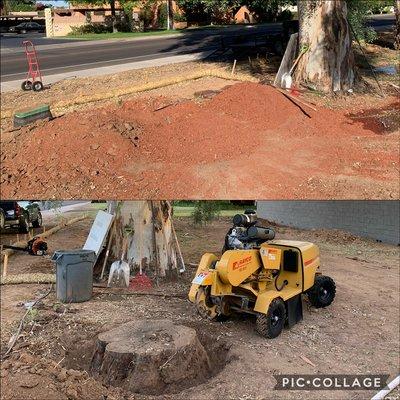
(170, 15)
(328, 64)
(397, 29)
(113, 16)
(177, 357)
(147, 226)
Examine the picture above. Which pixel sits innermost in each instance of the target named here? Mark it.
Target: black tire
(271, 324)
(24, 224)
(323, 292)
(39, 221)
(2, 219)
(26, 85)
(37, 86)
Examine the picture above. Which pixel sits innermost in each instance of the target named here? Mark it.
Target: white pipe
(390, 386)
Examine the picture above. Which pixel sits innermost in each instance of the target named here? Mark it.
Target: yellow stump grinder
(259, 275)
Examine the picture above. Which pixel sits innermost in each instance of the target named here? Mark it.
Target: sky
(56, 3)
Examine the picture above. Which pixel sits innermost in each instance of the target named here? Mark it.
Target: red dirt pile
(159, 149)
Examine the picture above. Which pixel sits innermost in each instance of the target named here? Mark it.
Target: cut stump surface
(150, 357)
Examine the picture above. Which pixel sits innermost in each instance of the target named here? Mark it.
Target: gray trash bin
(74, 275)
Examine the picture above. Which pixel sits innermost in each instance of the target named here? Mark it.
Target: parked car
(21, 214)
(25, 27)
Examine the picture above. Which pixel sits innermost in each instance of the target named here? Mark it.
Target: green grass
(118, 35)
(184, 209)
(226, 209)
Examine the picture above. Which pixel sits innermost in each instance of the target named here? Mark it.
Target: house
(244, 16)
(63, 19)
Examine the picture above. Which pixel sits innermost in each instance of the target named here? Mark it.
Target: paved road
(67, 56)
(11, 41)
(68, 209)
(382, 21)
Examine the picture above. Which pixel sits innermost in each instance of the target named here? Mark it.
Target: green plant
(285, 15)
(146, 15)
(358, 13)
(163, 16)
(20, 5)
(89, 28)
(128, 7)
(205, 211)
(180, 17)
(33, 314)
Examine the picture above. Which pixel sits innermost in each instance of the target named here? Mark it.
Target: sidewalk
(108, 70)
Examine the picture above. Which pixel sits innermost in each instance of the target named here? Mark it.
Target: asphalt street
(67, 56)
(60, 55)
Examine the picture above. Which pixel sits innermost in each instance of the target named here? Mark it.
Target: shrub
(205, 211)
(163, 16)
(89, 28)
(285, 15)
(357, 15)
(180, 17)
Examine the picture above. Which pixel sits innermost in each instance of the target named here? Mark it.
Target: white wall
(377, 220)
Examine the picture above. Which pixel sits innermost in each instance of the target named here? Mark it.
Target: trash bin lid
(79, 253)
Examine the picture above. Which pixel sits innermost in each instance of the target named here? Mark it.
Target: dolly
(33, 79)
(261, 276)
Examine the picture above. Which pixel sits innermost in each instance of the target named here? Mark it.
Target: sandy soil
(247, 141)
(358, 333)
(244, 142)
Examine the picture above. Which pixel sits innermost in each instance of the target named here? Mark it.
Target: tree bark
(397, 29)
(113, 16)
(170, 11)
(177, 357)
(328, 64)
(147, 226)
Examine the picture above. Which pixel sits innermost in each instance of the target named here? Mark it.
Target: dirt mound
(224, 146)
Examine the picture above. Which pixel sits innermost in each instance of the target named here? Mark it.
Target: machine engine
(246, 233)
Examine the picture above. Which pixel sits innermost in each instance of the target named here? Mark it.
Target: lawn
(225, 209)
(119, 35)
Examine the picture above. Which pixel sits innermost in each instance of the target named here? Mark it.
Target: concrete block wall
(377, 220)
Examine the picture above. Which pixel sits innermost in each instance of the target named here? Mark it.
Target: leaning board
(98, 232)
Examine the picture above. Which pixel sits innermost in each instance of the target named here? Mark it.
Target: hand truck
(34, 76)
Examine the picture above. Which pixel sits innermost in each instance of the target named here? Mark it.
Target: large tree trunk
(397, 29)
(147, 227)
(328, 65)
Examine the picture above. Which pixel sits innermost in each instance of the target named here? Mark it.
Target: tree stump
(150, 357)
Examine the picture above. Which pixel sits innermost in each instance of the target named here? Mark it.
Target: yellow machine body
(277, 269)
(235, 266)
